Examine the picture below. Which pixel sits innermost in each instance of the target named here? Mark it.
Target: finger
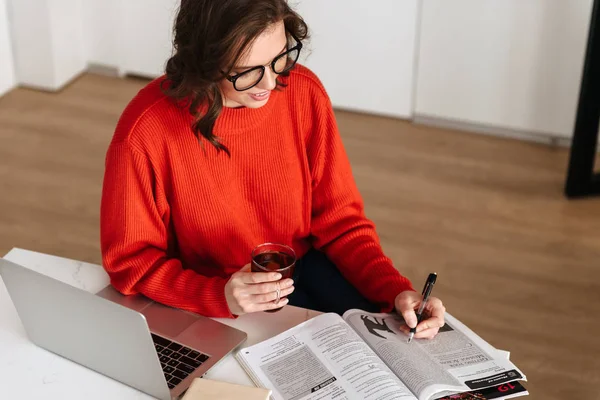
(430, 323)
(270, 287)
(436, 309)
(427, 333)
(268, 306)
(272, 305)
(410, 317)
(272, 296)
(404, 328)
(246, 268)
(259, 277)
(406, 306)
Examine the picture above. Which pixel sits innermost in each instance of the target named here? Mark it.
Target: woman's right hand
(248, 292)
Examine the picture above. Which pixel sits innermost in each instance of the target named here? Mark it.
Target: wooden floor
(516, 261)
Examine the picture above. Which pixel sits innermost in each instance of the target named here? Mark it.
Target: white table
(29, 372)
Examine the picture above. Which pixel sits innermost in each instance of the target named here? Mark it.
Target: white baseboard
(104, 70)
(536, 137)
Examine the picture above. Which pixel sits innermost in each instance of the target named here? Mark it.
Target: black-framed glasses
(280, 64)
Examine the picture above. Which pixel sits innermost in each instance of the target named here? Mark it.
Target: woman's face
(265, 48)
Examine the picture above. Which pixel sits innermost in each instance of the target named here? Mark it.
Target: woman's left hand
(408, 301)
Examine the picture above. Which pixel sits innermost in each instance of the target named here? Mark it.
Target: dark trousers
(319, 285)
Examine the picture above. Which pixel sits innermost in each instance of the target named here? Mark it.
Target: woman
(235, 146)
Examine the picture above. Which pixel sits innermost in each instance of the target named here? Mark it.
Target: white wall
(102, 27)
(147, 40)
(364, 54)
(7, 73)
(32, 43)
(47, 40)
(513, 63)
(67, 39)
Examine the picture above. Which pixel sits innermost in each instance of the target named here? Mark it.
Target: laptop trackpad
(167, 321)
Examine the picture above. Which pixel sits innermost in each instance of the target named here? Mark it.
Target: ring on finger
(278, 294)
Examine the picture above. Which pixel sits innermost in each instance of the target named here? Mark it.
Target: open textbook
(366, 356)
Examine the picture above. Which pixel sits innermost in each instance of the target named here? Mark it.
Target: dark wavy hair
(209, 38)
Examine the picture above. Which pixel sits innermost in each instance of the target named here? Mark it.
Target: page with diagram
(322, 358)
(456, 360)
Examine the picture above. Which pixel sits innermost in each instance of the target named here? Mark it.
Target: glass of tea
(273, 257)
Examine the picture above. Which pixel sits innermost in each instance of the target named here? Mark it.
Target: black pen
(426, 293)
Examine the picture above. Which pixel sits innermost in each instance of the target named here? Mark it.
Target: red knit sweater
(177, 221)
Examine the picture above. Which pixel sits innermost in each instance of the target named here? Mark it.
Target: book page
(322, 358)
(456, 360)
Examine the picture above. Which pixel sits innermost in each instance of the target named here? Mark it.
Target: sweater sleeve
(134, 240)
(339, 225)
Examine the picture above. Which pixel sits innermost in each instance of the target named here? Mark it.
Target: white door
(513, 64)
(363, 52)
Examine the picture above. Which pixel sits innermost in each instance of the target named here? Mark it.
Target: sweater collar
(240, 119)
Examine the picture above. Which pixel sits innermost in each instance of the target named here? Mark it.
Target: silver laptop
(156, 349)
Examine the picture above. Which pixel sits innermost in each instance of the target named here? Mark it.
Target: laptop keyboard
(177, 361)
